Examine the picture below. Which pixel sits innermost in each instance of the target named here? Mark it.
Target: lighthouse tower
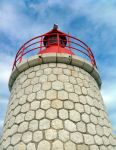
(55, 101)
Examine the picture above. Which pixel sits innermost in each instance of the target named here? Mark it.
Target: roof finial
(55, 27)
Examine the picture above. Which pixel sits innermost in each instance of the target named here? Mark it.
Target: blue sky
(93, 21)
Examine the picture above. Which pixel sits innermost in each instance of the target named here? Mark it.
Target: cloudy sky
(92, 21)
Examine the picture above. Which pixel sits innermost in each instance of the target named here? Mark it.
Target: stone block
(85, 118)
(20, 146)
(69, 87)
(70, 126)
(29, 115)
(23, 66)
(35, 60)
(63, 78)
(27, 137)
(57, 85)
(70, 146)
(48, 58)
(35, 105)
(43, 78)
(31, 146)
(68, 105)
(57, 71)
(37, 136)
(63, 95)
(33, 125)
(63, 114)
(50, 134)
(88, 139)
(57, 104)
(31, 75)
(44, 145)
(52, 77)
(64, 58)
(57, 124)
(77, 61)
(15, 138)
(47, 71)
(79, 107)
(87, 66)
(82, 147)
(76, 137)
(23, 127)
(57, 145)
(63, 135)
(25, 107)
(51, 113)
(45, 104)
(91, 129)
(44, 124)
(98, 140)
(73, 97)
(81, 127)
(40, 114)
(19, 118)
(40, 94)
(74, 115)
(51, 94)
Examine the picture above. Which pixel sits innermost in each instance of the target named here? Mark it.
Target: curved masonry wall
(56, 106)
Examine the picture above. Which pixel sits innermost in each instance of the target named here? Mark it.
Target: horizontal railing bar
(41, 39)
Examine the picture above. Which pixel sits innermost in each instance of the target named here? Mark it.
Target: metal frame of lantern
(37, 43)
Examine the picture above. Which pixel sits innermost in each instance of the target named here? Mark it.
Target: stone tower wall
(56, 106)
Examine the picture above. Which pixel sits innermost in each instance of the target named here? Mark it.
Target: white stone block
(88, 139)
(37, 136)
(33, 125)
(15, 138)
(57, 145)
(48, 58)
(44, 145)
(77, 61)
(76, 137)
(63, 135)
(57, 85)
(40, 114)
(74, 115)
(35, 60)
(70, 146)
(44, 124)
(64, 58)
(27, 137)
(57, 124)
(51, 113)
(23, 66)
(70, 126)
(50, 134)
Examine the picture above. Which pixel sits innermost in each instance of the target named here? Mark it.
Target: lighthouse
(55, 101)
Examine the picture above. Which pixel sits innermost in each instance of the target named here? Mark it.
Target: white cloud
(1, 125)
(5, 67)
(16, 24)
(109, 93)
(99, 12)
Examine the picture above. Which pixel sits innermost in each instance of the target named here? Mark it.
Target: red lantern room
(54, 41)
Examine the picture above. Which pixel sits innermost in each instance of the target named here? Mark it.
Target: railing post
(91, 57)
(69, 42)
(58, 41)
(41, 44)
(23, 49)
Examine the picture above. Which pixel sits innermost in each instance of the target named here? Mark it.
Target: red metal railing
(37, 44)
